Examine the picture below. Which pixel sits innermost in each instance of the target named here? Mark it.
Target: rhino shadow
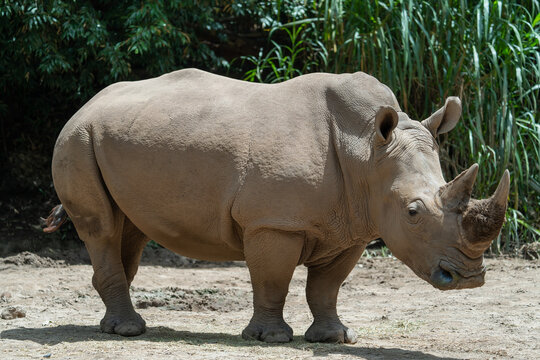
(79, 333)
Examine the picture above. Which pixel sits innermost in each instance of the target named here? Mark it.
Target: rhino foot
(330, 333)
(126, 326)
(270, 333)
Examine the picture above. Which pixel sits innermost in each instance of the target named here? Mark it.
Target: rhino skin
(308, 171)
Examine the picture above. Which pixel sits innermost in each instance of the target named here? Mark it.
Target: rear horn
(456, 194)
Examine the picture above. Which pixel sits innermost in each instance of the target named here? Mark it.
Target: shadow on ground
(75, 333)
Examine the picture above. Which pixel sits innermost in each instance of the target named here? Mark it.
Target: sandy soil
(198, 311)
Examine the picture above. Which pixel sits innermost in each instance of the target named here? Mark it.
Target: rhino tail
(56, 218)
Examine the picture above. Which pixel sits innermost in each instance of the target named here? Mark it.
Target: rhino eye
(413, 209)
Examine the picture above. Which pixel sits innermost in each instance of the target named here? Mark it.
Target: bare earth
(198, 311)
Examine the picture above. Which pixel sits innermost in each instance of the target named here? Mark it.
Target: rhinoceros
(308, 171)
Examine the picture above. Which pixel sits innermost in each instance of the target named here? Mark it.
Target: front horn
(483, 219)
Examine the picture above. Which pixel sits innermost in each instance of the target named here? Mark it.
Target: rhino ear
(444, 119)
(386, 121)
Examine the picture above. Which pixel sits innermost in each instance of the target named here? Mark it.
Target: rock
(146, 303)
(5, 296)
(531, 251)
(12, 313)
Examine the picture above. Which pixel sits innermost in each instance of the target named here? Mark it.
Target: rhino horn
(456, 194)
(483, 219)
(500, 196)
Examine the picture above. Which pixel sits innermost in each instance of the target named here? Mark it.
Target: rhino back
(194, 159)
(174, 152)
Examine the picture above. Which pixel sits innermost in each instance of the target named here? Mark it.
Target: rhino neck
(352, 101)
(353, 156)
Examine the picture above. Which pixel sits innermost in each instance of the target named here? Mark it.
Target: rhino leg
(271, 257)
(133, 243)
(99, 223)
(322, 288)
(110, 282)
(109, 279)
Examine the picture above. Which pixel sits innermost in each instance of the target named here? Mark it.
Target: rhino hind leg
(271, 257)
(99, 223)
(322, 288)
(133, 243)
(111, 280)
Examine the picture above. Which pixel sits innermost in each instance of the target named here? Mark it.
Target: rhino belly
(179, 196)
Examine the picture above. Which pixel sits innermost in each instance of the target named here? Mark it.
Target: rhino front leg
(322, 288)
(271, 257)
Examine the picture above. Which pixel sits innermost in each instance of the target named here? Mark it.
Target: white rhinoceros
(308, 172)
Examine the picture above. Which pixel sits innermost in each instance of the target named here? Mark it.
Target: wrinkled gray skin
(304, 172)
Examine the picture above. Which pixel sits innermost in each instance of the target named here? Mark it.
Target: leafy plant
(283, 62)
(57, 54)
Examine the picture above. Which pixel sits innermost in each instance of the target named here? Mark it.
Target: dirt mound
(28, 258)
(50, 257)
(207, 299)
(163, 257)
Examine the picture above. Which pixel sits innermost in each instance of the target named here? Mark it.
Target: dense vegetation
(57, 54)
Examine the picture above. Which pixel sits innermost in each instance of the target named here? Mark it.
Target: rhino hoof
(132, 326)
(276, 333)
(330, 333)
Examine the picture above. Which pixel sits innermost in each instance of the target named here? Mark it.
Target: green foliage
(56, 54)
(283, 62)
(486, 52)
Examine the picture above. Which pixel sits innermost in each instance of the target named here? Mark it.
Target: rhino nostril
(443, 277)
(446, 276)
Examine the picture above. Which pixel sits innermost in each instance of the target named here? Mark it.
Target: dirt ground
(197, 310)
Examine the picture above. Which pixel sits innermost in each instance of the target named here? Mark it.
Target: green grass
(485, 52)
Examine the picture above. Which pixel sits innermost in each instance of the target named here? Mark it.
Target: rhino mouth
(462, 271)
(448, 276)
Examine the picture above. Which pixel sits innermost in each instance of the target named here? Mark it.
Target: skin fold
(308, 172)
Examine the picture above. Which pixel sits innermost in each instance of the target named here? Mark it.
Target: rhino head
(434, 227)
